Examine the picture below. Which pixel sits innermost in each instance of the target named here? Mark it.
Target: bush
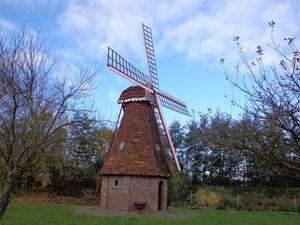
(251, 199)
(192, 199)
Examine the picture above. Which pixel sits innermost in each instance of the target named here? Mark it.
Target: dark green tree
(264, 146)
(223, 159)
(85, 151)
(179, 187)
(195, 152)
(87, 148)
(177, 134)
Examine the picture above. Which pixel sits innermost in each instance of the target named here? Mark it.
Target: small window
(157, 147)
(121, 146)
(116, 183)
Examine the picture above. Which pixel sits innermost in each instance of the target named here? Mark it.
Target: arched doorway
(160, 200)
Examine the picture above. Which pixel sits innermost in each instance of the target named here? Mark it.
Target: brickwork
(136, 169)
(130, 189)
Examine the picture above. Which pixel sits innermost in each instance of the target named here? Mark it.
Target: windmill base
(134, 193)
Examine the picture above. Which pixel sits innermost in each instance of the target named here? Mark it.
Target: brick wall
(120, 193)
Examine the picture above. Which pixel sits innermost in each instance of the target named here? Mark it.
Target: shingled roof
(136, 93)
(137, 148)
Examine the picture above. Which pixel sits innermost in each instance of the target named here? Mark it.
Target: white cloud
(7, 26)
(200, 30)
(192, 34)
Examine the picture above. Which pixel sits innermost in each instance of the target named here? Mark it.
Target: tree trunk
(4, 198)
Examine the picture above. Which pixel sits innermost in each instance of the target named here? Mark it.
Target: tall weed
(209, 198)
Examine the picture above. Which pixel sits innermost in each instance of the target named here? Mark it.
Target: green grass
(47, 214)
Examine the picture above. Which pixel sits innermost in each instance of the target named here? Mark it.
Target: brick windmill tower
(135, 175)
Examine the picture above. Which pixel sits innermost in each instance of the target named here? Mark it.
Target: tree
(223, 159)
(88, 143)
(177, 136)
(38, 174)
(178, 188)
(264, 146)
(273, 97)
(196, 152)
(36, 99)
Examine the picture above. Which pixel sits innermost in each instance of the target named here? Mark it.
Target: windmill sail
(121, 66)
(150, 56)
(169, 103)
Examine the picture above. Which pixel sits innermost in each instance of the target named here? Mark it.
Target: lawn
(47, 214)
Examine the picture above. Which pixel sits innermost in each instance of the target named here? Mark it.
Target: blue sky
(190, 37)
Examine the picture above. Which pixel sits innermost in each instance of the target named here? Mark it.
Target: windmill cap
(136, 93)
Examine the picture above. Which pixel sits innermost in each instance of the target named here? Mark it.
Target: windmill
(135, 174)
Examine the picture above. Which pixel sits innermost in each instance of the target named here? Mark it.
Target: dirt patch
(72, 200)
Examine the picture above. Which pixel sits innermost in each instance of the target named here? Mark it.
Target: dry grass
(47, 198)
(30, 198)
(209, 198)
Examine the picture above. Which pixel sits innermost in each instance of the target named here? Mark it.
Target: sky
(190, 37)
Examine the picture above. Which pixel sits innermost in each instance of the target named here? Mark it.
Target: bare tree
(272, 98)
(35, 101)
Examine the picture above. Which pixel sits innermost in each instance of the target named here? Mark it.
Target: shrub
(251, 199)
(192, 199)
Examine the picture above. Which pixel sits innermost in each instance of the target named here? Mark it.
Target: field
(37, 214)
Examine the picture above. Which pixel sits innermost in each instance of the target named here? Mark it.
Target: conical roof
(137, 148)
(136, 93)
